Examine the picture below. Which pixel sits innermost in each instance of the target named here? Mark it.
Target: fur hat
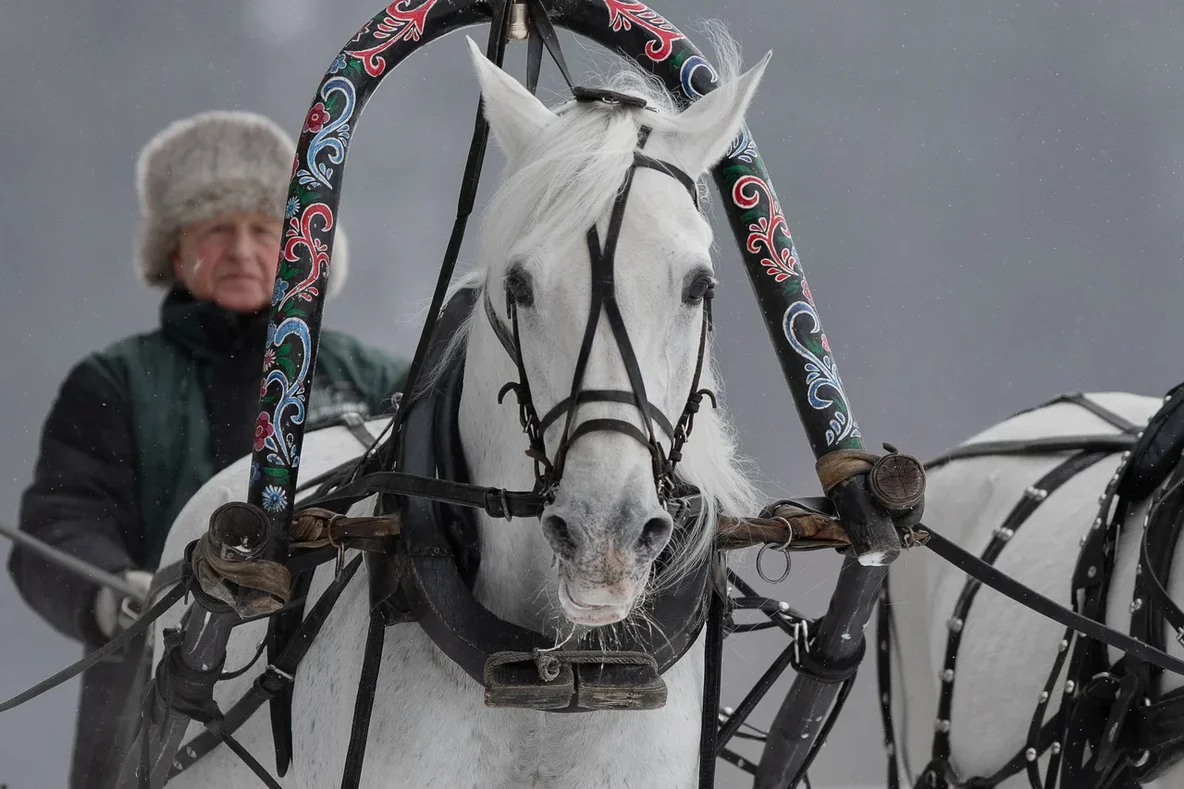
(205, 165)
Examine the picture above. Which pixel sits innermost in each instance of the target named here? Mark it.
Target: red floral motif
(779, 263)
(263, 430)
(318, 116)
(300, 234)
(263, 390)
(268, 358)
(399, 24)
(623, 14)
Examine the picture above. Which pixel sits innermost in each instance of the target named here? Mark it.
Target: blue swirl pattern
(332, 138)
(820, 373)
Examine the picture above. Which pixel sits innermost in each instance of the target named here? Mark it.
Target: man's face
(230, 259)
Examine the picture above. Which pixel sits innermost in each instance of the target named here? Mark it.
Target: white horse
(1007, 650)
(430, 727)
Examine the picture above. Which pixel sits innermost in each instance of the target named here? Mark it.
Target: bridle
(548, 473)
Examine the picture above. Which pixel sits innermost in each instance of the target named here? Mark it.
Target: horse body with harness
(1081, 498)
(559, 615)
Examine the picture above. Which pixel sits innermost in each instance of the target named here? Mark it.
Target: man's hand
(114, 612)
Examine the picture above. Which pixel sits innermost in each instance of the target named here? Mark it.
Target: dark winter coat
(135, 430)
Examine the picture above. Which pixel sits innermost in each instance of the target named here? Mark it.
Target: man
(138, 427)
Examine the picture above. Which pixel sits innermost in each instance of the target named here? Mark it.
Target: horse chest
(447, 737)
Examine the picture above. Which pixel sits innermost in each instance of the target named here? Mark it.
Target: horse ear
(515, 115)
(711, 124)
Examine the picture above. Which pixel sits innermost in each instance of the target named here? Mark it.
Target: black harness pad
(1158, 450)
(386, 571)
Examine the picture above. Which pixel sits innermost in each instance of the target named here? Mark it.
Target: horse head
(598, 281)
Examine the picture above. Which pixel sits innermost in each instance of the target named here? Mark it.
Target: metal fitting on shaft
(238, 531)
(519, 29)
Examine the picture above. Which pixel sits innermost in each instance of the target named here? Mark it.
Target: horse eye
(701, 287)
(519, 286)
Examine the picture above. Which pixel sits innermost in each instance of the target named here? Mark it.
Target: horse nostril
(556, 530)
(655, 533)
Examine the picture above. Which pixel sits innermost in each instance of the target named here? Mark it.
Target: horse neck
(515, 557)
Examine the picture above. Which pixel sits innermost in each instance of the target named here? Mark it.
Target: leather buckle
(1119, 695)
(497, 503)
(273, 681)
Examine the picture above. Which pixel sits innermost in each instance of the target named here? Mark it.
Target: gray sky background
(986, 196)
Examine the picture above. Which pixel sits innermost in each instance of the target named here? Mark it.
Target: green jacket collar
(208, 331)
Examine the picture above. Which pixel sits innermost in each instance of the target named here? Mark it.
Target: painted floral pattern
(353, 75)
(264, 430)
(318, 116)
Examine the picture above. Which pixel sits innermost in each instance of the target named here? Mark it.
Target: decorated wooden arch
(631, 29)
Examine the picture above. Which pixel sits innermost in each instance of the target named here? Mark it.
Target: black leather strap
(364, 703)
(276, 679)
(712, 680)
(1037, 602)
(497, 502)
(605, 396)
(99, 655)
(641, 160)
(1035, 446)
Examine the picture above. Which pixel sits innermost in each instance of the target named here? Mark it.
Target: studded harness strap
(1105, 710)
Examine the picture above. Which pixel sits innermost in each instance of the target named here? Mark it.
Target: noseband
(603, 298)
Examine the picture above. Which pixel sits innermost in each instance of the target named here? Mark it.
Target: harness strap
(364, 702)
(280, 631)
(497, 502)
(1152, 560)
(641, 160)
(1036, 446)
(712, 681)
(99, 655)
(495, 50)
(1117, 420)
(277, 678)
(604, 396)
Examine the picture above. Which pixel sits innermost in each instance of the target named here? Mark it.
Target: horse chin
(588, 614)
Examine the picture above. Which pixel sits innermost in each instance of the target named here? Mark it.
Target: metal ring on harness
(783, 548)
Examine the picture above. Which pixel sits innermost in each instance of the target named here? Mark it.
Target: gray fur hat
(207, 164)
